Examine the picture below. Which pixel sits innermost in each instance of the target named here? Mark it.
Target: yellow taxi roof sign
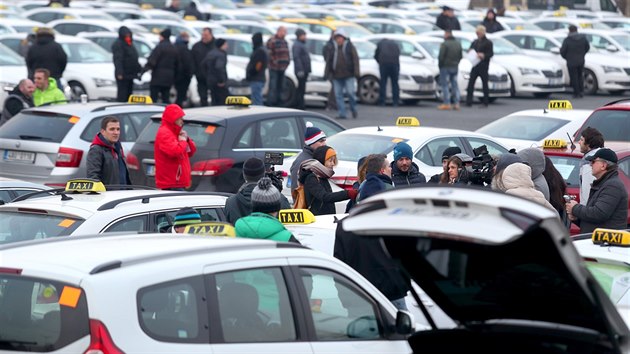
(611, 237)
(190, 18)
(238, 101)
(211, 229)
(140, 99)
(407, 122)
(559, 104)
(554, 144)
(85, 185)
(296, 216)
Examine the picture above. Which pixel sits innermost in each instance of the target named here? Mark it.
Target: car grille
(496, 78)
(422, 79)
(549, 73)
(627, 70)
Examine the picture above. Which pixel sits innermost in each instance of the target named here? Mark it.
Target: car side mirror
(612, 48)
(417, 55)
(364, 327)
(404, 323)
(555, 50)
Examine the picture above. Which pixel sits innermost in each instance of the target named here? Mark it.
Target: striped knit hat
(312, 134)
(186, 216)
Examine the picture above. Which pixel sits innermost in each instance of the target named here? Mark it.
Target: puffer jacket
(106, 162)
(413, 176)
(516, 180)
(47, 54)
(536, 160)
(240, 204)
(262, 226)
(163, 63)
(216, 67)
(319, 195)
(172, 157)
(51, 94)
(125, 56)
(607, 205)
(574, 49)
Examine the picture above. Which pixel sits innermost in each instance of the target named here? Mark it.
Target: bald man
(20, 98)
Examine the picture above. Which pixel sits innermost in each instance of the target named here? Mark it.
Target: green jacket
(450, 53)
(262, 226)
(51, 94)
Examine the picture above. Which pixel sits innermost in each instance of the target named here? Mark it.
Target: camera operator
(240, 204)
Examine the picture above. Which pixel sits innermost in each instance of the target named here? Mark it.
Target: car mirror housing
(404, 323)
(555, 50)
(417, 55)
(611, 48)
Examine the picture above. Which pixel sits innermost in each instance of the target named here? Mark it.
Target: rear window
(351, 147)
(569, 168)
(38, 126)
(206, 136)
(16, 226)
(523, 127)
(38, 315)
(614, 125)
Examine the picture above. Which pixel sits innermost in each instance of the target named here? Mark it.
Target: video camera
(482, 168)
(272, 159)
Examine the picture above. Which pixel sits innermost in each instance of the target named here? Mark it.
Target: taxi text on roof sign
(407, 122)
(211, 229)
(296, 216)
(140, 99)
(238, 101)
(554, 144)
(611, 237)
(559, 104)
(85, 185)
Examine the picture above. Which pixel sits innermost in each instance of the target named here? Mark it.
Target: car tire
(369, 87)
(542, 94)
(512, 87)
(411, 102)
(76, 90)
(616, 92)
(590, 83)
(288, 97)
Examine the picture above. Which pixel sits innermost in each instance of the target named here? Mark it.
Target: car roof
(220, 113)
(573, 114)
(84, 109)
(16, 183)
(410, 133)
(619, 147)
(587, 248)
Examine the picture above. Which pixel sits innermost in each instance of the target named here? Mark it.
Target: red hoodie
(172, 163)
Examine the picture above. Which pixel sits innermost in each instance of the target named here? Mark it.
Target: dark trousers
(276, 80)
(182, 91)
(389, 71)
(576, 76)
(202, 89)
(163, 91)
(125, 88)
(331, 103)
(299, 94)
(218, 94)
(480, 70)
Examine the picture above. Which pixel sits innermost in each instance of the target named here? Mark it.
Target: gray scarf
(343, 49)
(317, 168)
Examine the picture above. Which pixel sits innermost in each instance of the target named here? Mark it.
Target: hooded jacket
(515, 180)
(240, 204)
(186, 65)
(172, 157)
(574, 49)
(14, 103)
(536, 161)
(258, 61)
(163, 64)
(50, 94)
(125, 56)
(47, 54)
(106, 162)
(491, 26)
(263, 226)
(413, 176)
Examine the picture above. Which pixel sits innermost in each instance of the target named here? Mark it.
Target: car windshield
(23, 29)
(21, 226)
(613, 124)
(9, 57)
(86, 53)
(524, 26)
(365, 50)
(569, 168)
(351, 147)
(205, 136)
(523, 127)
(623, 40)
(433, 48)
(219, 4)
(421, 27)
(502, 46)
(355, 31)
(37, 126)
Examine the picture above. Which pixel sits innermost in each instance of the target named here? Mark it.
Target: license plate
(426, 87)
(498, 86)
(554, 81)
(19, 156)
(150, 170)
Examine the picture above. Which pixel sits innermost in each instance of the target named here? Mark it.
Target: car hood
(524, 61)
(488, 258)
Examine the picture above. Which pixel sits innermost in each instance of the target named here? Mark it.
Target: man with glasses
(591, 140)
(607, 205)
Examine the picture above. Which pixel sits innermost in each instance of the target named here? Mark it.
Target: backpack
(299, 199)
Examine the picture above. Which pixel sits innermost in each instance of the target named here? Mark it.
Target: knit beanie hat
(312, 134)
(265, 197)
(253, 169)
(186, 216)
(402, 149)
(219, 43)
(505, 160)
(450, 151)
(323, 153)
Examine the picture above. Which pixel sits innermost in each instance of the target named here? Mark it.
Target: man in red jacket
(172, 151)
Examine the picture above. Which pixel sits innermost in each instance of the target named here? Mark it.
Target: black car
(226, 136)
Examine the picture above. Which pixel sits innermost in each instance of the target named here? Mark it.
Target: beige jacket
(516, 180)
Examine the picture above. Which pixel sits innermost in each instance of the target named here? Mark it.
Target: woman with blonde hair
(516, 180)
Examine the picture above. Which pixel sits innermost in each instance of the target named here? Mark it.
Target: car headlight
(611, 69)
(315, 78)
(528, 71)
(104, 82)
(402, 77)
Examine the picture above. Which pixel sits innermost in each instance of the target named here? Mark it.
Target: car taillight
(10, 270)
(100, 340)
(132, 161)
(344, 182)
(211, 167)
(67, 157)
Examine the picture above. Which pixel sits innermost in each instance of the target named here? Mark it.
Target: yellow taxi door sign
(407, 122)
(611, 237)
(296, 216)
(85, 185)
(554, 144)
(211, 229)
(559, 104)
(70, 296)
(140, 99)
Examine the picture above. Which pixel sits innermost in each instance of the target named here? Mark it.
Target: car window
(239, 48)
(144, 50)
(280, 133)
(394, 29)
(339, 309)
(493, 148)
(5, 196)
(105, 42)
(33, 319)
(163, 220)
(519, 41)
(352, 147)
(523, 127)
(254, 306)
(246, 139)
(406, 48)
(127, 131)
(71, 29)
(136, 223)
(431, 153)
(329, 128)
(37, 126)
(373, 27)
(15, 226)
(598, 41)
(174, 311)
(137, 121)
(546, 25)
(44, 17)
(614, 125)
(541, 43)
(86, 53)
(569, 168)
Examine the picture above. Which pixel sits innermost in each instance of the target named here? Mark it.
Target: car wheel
(411, 102)
(369, 90)
(616, 92)
(76, 90)
(542, 94)
(288, 93)
(590, 83)
(512, 87)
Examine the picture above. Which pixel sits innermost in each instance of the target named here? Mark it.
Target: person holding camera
(240, 204)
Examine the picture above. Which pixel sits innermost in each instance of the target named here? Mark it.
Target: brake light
(10, 270)
(100, 340)
(211, 167)
(344, 182)
(132, 161)
(67, 157)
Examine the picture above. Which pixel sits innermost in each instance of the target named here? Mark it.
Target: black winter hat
(450, 151)
(166, 33)
(265, 197)
(299, 32)
(219, 42)
(253, 169)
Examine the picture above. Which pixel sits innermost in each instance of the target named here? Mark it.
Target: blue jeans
(340, 86)
(276, 79)
(390, 71)
(449, 75)
(257, 90)
(400, 303)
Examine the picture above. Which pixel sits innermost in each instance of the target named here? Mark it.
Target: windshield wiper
(15, 344)
(33, 137)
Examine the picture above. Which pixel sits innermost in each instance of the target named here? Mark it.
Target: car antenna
(65, 197)
(572, 143)
(378, 128)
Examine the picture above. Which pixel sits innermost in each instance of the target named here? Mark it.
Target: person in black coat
(404, 171)
(216, 72)
(387, 56)
(184, 68)
(199, 52)
(163, 65)
(484, 48)
(490, 22)
(256, 68)
(20, 98)
(126, 65)
(192, 10)
(447, 20)
(573, 50)
(301, 65)
(106, 158)
(46, 53)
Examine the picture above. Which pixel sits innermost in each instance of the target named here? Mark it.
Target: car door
(493, 148)
(430, 154)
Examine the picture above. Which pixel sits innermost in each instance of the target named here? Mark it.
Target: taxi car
(189, 294)
(49, 144)
(18, 25)
(226, 136)
(12, 188)
(612, 120)
(326, 27)
(611, 42)
(513, 281)
(46, 14)
(13, 70)
(87, 207)
(563, 23)
(531, 127)
(605, 253)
